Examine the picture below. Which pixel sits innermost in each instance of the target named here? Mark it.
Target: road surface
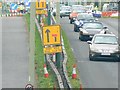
(93, 74)
(14, 53)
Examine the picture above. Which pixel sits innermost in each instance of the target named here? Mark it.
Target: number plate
(105, 53)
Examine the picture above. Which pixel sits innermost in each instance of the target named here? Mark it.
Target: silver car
(89, 29)
(104, 46)
(65, 11)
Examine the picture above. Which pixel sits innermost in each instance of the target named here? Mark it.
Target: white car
(104, 46)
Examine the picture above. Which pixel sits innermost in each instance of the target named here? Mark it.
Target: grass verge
(39, 61)
(71, 60)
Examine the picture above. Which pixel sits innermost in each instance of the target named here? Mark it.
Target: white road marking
(29, 78)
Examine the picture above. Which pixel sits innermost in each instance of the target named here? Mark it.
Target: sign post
(32, 44)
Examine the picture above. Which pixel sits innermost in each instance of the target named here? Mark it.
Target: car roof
(85, 13)
(94, 22)
(105, 35)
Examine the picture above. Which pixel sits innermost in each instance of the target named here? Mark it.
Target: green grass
(27, 17)
(39, 61)
(71, 61)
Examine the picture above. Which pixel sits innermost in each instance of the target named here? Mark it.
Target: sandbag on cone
(46, 75)
(81, 87)
(74, 75)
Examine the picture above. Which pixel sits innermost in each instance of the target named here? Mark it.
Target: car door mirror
(89, 42)
(96, 19)
(105, 27)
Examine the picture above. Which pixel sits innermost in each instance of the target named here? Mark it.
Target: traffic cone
(46, 75)
(74, 75)
(81, 87)
(54, 59)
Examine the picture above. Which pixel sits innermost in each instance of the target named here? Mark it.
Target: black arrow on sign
(47, 31)
(55, 39)
(38, 3)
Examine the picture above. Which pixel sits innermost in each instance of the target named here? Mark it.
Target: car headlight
(96, 50)
(77, 23)
(116, 50)
(74, 18)
(84, 32)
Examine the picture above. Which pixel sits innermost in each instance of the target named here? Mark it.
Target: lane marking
(29, 78)
(72, 49)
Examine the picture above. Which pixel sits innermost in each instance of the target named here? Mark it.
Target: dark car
(65, 11)
(89, 29)
(82, 18)
(104, 46)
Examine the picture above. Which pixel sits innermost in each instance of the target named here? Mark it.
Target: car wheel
(61, 16)
(90, 57)
(74, 28)
(81, 37)
(70, 21)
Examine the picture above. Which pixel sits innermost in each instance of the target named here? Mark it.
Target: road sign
(54, 49)
(27, 3)
(40, 4)
(41, 11)
(13, 6)
(51, 35)
(29, 87)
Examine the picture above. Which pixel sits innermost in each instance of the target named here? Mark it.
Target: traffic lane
(93, 74)
(111, 23)
(0, 52)
(14, 53)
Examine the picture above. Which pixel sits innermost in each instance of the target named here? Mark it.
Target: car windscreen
(85, 16)
(105, 40)
(65, 9)
(93, 26)
(79, 9)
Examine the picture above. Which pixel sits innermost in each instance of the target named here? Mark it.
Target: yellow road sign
(50, 50)
(51, 35)
(40, 4)
(41, 11)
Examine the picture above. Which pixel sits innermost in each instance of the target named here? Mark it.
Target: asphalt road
(14, 53)
(93, 74)
(0, 53)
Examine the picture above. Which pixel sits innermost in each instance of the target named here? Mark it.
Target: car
(54, 12)
(89, 8)
(89, 29)
(65, 11)
(97, 14)
(104, 46)
(76, 9)
(81, 19)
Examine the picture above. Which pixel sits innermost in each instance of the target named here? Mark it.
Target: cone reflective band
(54, 57)
(46, 75)
(74, 75)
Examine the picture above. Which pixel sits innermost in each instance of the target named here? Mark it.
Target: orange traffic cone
(46, 75)
(54, 58)
(81, 87)
(74, 75)
(42, 23)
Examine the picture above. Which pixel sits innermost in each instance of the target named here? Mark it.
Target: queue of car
(102, 43)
